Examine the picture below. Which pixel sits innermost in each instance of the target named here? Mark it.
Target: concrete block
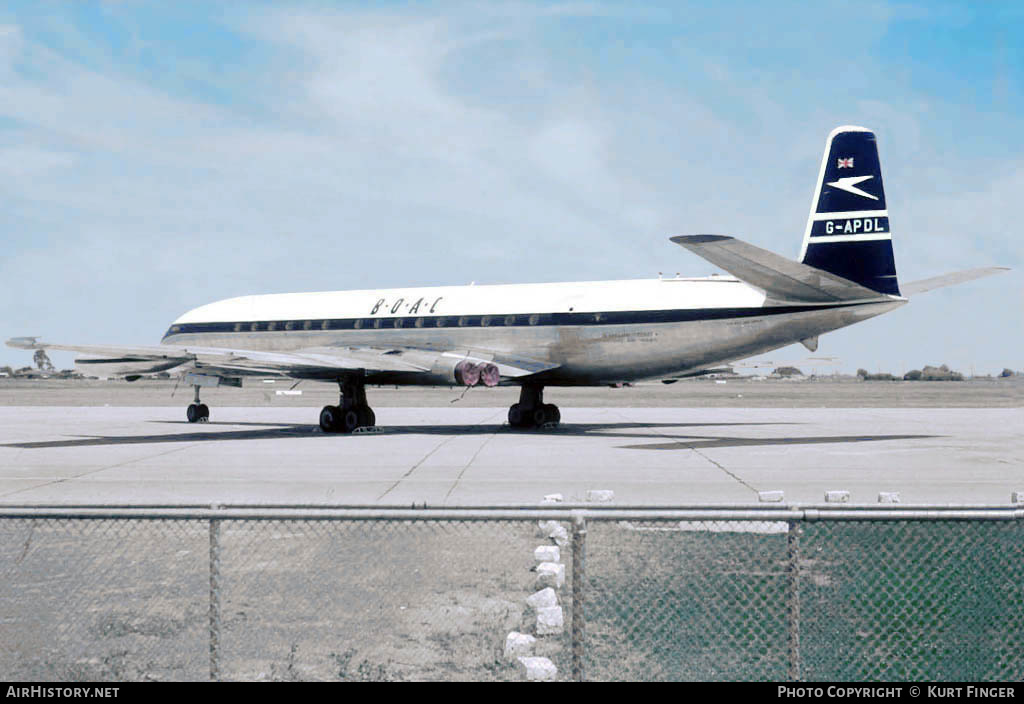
(538, 669)
(543, 599)
(600, 495)
(554, 530)
(550, 574)
(561, 537)
(546, 528)
(547, 553)
(888, 497)
(550, 621)
(837, 497)
(773, 497)
(518, 644)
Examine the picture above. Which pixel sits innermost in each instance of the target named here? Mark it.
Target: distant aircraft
(562, 334)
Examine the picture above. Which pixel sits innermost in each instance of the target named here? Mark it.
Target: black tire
(367, 418)
(515, 416)
(329, 419)
(349, 421)
(192, 413)
(539, 416)
(552, 414)
(204, 413)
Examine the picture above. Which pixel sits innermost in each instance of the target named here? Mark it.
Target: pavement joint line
(425, 458)
(99, 469)
(472, 459)
(699, 453)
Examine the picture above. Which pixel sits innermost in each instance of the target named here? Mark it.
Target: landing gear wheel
(349, 421)
(329, 416)
(204, 413)
(515, 416)
(352, 411)
(192, 413)
(539, 416)
(551, 413)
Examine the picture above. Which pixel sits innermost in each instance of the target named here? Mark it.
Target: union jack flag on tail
(845, 163)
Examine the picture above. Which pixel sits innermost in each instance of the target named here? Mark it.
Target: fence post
(579, 575)
(793, 598)
(214, 599)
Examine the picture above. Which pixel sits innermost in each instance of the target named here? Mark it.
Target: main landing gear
(352, 411)
(531, 411)
(197, 412)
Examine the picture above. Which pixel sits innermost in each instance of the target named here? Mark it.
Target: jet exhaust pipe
(469, 374)
(489, 374)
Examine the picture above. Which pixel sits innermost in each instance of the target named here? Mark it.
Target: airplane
(559, 334)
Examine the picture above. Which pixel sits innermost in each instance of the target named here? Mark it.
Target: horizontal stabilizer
(780, 278)
(951, 279)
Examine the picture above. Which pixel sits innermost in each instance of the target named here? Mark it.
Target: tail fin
(848, 228)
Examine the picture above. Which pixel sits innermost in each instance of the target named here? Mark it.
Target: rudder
(848, 228)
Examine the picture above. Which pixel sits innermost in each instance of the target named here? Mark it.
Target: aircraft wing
(309, 363)
(778, 277)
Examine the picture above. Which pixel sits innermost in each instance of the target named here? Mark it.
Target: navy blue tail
(848, 228)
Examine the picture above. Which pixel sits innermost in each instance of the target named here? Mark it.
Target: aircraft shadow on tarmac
(660, 431)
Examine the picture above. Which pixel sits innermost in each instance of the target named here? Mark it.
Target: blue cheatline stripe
(475, 321)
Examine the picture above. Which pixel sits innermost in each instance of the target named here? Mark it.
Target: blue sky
(158, 156)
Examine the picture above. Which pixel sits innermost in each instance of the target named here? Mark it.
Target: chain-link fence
(267, 593)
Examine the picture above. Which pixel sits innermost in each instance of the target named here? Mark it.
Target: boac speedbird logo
(849, 184)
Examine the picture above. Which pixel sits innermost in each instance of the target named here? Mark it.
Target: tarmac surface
(464, 455)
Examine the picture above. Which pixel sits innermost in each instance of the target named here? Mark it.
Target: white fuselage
(597, 332)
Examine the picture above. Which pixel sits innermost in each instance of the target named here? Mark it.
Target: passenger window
(440, 322)
(510, 320)
(271, 326)
(485, 321)
(376, 323)
(462, 321)
(358, 324)
(308, 325)
(534, 319)
(325, 324)
(398, 322)
(289, 325)
(254, 327)
(419, 322)
(238, 327)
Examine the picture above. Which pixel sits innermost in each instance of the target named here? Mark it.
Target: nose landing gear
(197, 412)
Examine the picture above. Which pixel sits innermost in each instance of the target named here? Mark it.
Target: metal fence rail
(374, 593)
